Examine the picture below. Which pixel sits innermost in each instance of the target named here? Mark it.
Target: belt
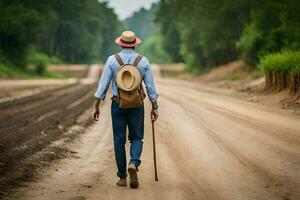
(115, 98)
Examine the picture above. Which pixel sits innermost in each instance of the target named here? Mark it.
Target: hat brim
(134, 71)
(120, 42)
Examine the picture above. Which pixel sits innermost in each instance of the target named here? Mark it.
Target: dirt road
(209, 146)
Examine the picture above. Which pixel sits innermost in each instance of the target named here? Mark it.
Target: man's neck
(127, 49)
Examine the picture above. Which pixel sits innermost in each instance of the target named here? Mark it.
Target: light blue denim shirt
(111, 68)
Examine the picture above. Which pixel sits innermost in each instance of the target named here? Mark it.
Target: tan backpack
(129, 83)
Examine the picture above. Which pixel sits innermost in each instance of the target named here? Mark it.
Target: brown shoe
(122, 182)
(134, 182)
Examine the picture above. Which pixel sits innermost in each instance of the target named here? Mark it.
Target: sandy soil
(236, 79)
(17, 89)
(209, 146)
(78, 71)
(37, 117)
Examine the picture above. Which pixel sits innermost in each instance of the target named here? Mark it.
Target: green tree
(74, 31)
(19, 26)
(152, 48)
(167, 17)
(274, 25)
(204, 32)
(143, 22)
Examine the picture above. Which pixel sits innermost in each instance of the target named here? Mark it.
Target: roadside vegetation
(282, 70)
(200, 33)
(209, 34)
(204, 34)
(36, 33)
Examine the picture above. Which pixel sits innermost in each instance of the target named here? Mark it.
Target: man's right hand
(96, 114)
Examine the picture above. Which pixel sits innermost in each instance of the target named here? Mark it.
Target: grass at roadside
(11, 72)
(257, 73)
(197, 71)
(286, 62)
(234, 76)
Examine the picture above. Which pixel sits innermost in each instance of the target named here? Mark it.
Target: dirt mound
(232, 71)
(78, 71)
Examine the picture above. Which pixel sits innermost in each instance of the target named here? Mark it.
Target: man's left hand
(154, 114)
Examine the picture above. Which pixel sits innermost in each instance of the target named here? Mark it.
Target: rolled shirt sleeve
(105, 80)
(149, 82)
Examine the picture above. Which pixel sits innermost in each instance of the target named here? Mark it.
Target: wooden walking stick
(154, 151)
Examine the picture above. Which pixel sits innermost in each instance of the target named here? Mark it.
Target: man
(133, 118)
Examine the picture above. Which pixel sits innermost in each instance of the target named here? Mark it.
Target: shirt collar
(126, 50)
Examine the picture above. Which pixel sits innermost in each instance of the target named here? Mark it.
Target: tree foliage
(152, 48)
(274, 25)
(167, 18)
(74, 31)
(142, 22)
(209, 33)
(19, 26)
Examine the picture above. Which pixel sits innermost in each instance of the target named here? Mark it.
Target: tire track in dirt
(268, 176)
(208, 159)
(287, 135)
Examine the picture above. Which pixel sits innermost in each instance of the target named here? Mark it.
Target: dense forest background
(144, 24)
(210, 33)
(200, 33)
(54, 31)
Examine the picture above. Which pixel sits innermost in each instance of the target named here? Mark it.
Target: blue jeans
(134, 119)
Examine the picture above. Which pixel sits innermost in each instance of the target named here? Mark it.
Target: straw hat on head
(128, 39)
(128, 78)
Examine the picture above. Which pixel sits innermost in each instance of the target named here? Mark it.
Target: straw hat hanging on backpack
(129, 82)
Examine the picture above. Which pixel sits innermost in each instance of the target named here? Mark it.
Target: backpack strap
(119, 59)
(137, 60)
